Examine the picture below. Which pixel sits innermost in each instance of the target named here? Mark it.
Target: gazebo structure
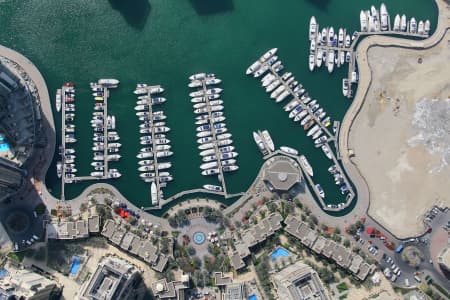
(281, 173)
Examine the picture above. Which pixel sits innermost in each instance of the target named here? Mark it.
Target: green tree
(272, 207)
(346, 243)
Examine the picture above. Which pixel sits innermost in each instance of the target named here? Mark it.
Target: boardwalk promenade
(36, 77)
(364, 84)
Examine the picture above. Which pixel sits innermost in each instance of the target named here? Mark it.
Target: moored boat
(363, 20)
(214, 188)
(384, 17)
(312, 28)
(320, 191)
(397, 23)
(326, 150)
(289, 150)
(403, 23)
(306, 166)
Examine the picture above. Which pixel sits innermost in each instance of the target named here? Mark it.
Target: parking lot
(388, 251)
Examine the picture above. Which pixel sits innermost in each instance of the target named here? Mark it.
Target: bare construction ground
(401, 137)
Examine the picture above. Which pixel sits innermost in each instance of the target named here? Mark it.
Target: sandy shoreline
(400, 184)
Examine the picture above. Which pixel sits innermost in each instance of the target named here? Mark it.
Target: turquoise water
(75, 265)
(4, 147)
(165, 41)
(279, 252)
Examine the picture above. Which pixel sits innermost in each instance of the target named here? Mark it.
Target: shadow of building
(207, 7)
(135, 12)
(320, 4)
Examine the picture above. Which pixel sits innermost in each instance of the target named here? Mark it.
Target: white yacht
(403, 23)
(289, 150)
(268, 140)
(261, 71)
(371, 24)
(282, 96)
(324, 36)
(273, 85)
(345, 86)
(259, 143)
(206, 146)
(330, 36)
(301, 115)
(254, 67)
(348, 40)
(277, 92)
(154, 193)
(108, 82)
(268, 54)
(363, 20)
(313, 130)
(214, 188)
(319, 58)
(413, 25)
(291, 105)
(59, 169)
(58, 100)
(420, 27)
(97, 174)
(326, 149)
(312, 47)
(384, 17)
(306, 166)
(312, 28)
(312, 62)
(342, 57)
(330, 61)
(214, 171)
(230, 168)
(320, 191)
(397, 23)
(340, 37)
(426, 30)
(145, 162)
(374, 12)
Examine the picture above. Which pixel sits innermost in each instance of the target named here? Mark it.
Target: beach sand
(402, 188)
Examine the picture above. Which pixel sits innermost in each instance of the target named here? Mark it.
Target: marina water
(165, 41)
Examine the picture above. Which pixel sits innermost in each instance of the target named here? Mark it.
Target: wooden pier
(304, 106)
(352, 47)
(63, 142)
(158, 184)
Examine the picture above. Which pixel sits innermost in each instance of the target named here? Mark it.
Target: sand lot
(403, 178)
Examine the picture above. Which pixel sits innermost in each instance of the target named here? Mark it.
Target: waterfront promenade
(365, 74)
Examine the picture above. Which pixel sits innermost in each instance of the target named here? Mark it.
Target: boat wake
(430, 128)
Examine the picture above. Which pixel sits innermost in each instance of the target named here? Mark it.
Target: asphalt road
(422, 243)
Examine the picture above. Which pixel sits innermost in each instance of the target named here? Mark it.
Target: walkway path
(365, 76)
(45, 103)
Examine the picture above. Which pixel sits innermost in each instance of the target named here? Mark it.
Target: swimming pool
(252, 297)
(76, 262)
(279, 252)
(4, 147)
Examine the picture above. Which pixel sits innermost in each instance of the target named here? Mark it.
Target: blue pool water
(279, 252)
(3, 273)
(199, 238)
(252, 297)
(4, 147)
(75, 265)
